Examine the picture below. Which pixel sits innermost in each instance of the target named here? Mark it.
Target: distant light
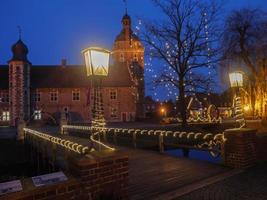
(246, 108)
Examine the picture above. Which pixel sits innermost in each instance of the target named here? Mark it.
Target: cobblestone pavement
(249, 185)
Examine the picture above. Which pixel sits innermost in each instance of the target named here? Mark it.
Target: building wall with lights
(46, 93)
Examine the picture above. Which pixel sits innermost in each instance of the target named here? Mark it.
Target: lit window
(75, 95)
(6, 116)
(37, 97)
(135, 57)
(53, 96)
(37, 115)
(121, 57)
(114, 113)
(113, 94)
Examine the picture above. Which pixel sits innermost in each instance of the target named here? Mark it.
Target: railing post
(105, 135)
(161, 143)
(134, 139)
(115, 137)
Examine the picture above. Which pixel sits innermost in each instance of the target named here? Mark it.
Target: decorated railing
(202, 141)
(193, 120)
(65, 144)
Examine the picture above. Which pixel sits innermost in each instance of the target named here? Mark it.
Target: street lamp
(236, 81)
(97, 67)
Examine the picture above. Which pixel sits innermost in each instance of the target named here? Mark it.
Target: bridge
(151, 174)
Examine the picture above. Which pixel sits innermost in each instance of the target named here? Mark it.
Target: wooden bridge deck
(152, 174)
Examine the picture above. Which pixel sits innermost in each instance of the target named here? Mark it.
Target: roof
(121, 36)
(70, 76)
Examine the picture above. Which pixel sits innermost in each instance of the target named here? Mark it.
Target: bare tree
(184, 41)
(245, 39)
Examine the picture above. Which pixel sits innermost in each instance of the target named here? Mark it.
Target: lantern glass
(96, 61)
(236, 79)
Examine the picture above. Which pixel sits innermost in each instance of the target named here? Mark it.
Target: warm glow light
(96, 61)
(162, 110)
(246, 108)
(236, 79)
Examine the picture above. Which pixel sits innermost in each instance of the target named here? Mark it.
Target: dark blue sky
(54, 29)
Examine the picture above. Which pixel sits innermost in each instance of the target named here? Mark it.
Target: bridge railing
(185, 140)
(65, 144)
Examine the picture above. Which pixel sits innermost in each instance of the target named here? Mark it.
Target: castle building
(43, 93)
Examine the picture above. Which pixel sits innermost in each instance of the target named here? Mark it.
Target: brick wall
(80, 110)
(67, 190)
(97, 176)
(103, 176)
(239, 150)
(261, 148)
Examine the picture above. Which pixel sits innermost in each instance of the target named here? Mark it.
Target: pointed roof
(20, 51)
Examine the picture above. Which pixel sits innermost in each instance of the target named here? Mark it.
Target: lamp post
(97, 67)
(236, 81)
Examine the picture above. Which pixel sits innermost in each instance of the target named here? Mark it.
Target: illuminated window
(113, 94)
(114, 113)
(76, 95)
(53, 96)
(4, 97)
(37, 115)
(121, 57)
(37, 97)
(135, 57)
(6, 116)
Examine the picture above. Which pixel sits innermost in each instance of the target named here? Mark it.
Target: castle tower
(127, 46)
(129, 51)
(19, 84)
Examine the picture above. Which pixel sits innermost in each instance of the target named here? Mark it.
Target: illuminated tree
(181, 43)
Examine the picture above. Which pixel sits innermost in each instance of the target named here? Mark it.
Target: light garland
(208, 140)
(67, 144)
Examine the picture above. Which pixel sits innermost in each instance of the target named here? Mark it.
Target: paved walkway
(249, 185)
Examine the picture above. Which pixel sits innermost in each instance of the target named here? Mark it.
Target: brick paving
(249, 185)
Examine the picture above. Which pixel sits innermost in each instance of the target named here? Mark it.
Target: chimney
(63, 62)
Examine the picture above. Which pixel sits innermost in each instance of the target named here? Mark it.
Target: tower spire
(19, 31)
(126, 7)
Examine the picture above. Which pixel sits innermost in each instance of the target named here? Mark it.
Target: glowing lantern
(236, 79)
(96, 61)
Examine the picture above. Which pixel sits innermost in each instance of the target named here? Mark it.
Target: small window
(37, 97)
(53, 96)
(4, 97)
(37, 115)
(6, 116)
(113, 94)
(76, 95)
(114, 113)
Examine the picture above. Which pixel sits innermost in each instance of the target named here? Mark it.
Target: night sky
(56, 29)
